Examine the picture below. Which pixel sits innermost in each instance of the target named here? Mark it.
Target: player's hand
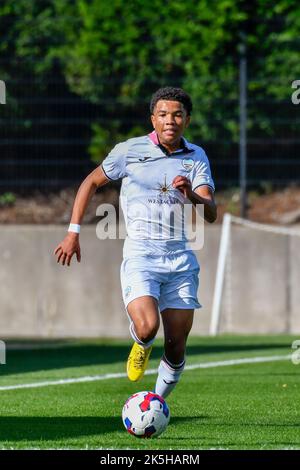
(66, 249)
(183, 184)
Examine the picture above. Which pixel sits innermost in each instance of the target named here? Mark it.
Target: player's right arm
(70, 244)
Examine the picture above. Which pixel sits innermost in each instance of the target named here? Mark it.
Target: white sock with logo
(168, 376)
(136, 338)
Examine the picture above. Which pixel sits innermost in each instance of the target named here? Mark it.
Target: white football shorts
(172, 279)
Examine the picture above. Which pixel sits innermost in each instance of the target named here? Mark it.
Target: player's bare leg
(177, 325)
(144, 315)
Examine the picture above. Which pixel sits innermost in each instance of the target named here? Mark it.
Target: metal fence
(45, 133)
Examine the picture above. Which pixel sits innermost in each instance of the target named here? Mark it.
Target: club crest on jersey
(188, 163)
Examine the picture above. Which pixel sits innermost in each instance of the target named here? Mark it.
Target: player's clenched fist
(66, 249)
(183, 184)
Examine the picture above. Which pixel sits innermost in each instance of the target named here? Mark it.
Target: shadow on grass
(77, 355)
(47, 428)
(41, 429)
(13, 428)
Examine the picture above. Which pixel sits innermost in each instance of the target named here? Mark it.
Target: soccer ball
(145, 414)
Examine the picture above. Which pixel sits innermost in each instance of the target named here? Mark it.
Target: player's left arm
(202, 195)
(205, 195)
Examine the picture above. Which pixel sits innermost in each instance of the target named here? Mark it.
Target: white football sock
(168, 376)
(137, 340)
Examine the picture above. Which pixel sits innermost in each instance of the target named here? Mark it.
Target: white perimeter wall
(39, 298)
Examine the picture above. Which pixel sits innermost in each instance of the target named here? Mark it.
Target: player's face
(169, 120)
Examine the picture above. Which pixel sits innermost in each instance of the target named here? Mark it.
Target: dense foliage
(114, 54)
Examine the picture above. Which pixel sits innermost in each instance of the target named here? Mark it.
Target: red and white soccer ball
(145, 414)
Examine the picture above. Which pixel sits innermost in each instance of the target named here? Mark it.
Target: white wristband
(74, 228)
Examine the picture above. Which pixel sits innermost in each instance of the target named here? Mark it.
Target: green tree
(123, 51)
(116, 53)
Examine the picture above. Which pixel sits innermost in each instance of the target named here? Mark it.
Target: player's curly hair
(170, 93)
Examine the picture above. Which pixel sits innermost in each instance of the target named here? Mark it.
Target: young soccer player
(159, 272)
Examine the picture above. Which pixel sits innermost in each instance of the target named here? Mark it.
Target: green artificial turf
(246, 406)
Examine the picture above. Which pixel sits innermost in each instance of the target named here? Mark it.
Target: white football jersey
(153, 209)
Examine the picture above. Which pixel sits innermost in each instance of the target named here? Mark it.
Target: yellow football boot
(137, 362)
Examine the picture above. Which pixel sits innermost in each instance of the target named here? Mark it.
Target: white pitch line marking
(120, 375)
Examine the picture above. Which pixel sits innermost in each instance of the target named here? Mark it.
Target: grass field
(241, 406)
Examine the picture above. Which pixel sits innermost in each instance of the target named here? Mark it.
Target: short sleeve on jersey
(202, 173)
(114, 165)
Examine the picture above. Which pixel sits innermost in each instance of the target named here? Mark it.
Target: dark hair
(170, 93)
